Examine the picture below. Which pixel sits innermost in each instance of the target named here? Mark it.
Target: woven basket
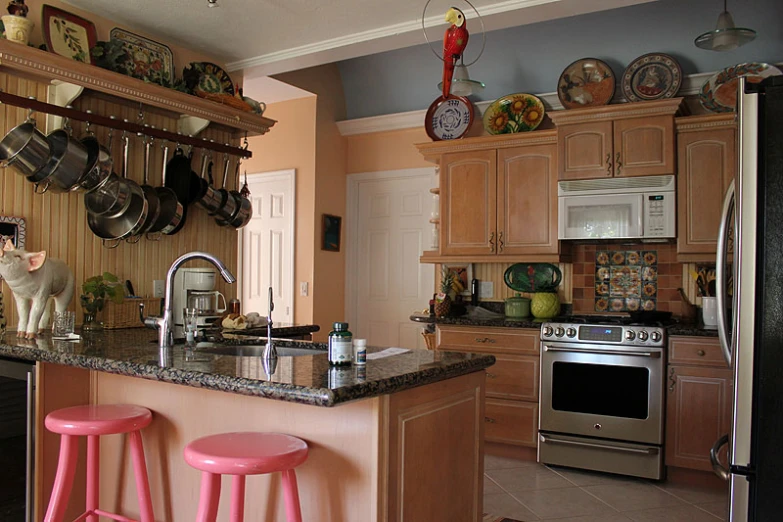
(126, 315)
(429, 340)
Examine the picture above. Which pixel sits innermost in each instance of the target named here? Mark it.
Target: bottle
(234, 306)
(360, 351)
(340, 346)
(474, 292)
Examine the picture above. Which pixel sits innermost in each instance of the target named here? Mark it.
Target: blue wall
(530, 58)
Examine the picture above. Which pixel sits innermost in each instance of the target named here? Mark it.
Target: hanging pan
(111, 197)
(171, 210)
(150, 194)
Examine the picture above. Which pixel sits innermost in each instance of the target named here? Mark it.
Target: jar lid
(340, 326)
(517, 299)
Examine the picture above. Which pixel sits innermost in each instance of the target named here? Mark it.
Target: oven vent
(616, 185)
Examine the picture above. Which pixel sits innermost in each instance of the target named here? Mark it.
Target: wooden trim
(432, 256)
(619, 111)
(488, 142)
(46, 67)
(708, 121)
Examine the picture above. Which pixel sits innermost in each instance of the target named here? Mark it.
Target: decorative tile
(626, 280)
(649, 257)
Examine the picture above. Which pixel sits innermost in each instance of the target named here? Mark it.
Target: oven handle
(652, 355)
(645, 451)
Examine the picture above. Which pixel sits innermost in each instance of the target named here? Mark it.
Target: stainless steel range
(602, 402)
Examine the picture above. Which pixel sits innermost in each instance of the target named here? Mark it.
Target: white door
(388, 219)
(266, 247)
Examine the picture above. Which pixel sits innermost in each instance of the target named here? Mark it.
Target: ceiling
(275, 36)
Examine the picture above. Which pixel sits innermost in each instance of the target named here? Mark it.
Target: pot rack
(124, 125)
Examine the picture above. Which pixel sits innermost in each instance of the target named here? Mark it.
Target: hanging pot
(171, 210)
(112, 197)
(25, 148)
(150, 194)
(66, 165)
(212, 199)
(99, 162)
(230, 206)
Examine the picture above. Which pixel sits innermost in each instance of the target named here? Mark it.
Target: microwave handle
(642, 214)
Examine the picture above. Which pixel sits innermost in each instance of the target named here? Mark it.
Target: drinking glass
(63, 324)
(190, 319)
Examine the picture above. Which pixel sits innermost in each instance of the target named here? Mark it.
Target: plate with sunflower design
(513, 113)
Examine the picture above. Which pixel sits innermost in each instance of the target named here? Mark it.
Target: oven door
(598, 390)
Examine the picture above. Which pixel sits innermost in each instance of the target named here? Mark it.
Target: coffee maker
(195, 288)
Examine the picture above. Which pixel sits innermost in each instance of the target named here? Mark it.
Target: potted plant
(95, 292)
(17, 26)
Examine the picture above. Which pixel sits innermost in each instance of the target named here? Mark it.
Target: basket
(126, 315)
(429, 340)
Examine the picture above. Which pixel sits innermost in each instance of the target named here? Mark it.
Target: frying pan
(171, 210)
(213, 200)
(230, 207)
(150, 194)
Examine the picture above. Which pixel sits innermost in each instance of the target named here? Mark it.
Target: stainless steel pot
(25, 148)
(212, 199)
(66, 165)
(99, 163)
(171, 210)
(229, 211)
(245, 213)
(150, 194)
(112, 197)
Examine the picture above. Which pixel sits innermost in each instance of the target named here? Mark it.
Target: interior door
(267, 246)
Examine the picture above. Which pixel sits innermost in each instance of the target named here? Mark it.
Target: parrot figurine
(454, 42)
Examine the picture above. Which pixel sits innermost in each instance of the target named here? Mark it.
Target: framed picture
(465, 274)
(13, 228)
(331, 233)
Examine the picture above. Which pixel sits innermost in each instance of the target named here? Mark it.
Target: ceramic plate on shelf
(588, 82)
(67, 34)
(209, 78)
(448, 118)
(651, 77)
(145, 59)
(719, 93)
(513, 113)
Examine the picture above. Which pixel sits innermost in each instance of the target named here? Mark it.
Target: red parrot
(454, 42)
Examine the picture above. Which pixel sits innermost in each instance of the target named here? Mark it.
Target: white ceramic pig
(34, 279)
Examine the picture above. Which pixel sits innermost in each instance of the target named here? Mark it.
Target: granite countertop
(278, 330)
(306, 379)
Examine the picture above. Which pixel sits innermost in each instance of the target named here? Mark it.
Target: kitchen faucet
(163, 323)
(270, 352)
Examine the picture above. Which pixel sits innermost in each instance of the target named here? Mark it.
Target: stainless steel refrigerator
(749, 272)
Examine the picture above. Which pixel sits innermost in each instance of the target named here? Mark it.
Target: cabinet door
(585, 150)
(706, 164)
(468, 208)
(514, 377)
(511, 422)
(698, 412)
(527, 200)
(644, 146)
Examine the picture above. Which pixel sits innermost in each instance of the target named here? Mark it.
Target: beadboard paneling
(57, 223)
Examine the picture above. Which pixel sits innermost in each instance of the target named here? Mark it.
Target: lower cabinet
(698, 401)
(511, 414)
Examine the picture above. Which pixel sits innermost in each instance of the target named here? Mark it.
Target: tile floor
(528, 491)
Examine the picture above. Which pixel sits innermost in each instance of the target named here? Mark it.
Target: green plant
(97, 289)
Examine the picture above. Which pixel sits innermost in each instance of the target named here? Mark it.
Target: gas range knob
(643, 335)
(560, 331)
(548, 331)
(630, 335)
(655, 336)
(571, 332)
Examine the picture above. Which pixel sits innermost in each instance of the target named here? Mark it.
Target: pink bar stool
(92, 422)
(240, 454)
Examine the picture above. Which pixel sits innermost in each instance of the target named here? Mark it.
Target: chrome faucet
(163, 324)
(270, 352)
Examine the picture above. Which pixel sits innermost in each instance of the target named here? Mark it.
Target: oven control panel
(607, 334)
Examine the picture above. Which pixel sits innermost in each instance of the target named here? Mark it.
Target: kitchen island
(400, 439)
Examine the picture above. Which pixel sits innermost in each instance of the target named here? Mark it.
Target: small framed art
(331, 233)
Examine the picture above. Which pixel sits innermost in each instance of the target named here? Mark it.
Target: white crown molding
(691, 85)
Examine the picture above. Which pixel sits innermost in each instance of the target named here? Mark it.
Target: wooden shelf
(44, 66)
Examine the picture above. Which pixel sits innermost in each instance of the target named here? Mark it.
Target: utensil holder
(709, 312)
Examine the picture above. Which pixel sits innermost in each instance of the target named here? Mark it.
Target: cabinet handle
(672, 380)
(700, 353)
(492, 242)
(608, 163)
(619, 164)
(484, 340)
(489, 420)
(500, 241)
(491, 376)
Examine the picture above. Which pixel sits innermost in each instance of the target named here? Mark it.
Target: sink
(252, 350)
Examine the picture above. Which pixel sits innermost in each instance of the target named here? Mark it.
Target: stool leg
(291, 494)
(63, 480)
(237, 498)
(142, 480)
(208, 497)
(93, 477)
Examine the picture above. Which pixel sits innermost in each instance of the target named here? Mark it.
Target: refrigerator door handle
(720, 272)
(719, 469)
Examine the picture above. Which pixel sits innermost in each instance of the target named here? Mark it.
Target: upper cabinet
(634, 139)
(706, 164)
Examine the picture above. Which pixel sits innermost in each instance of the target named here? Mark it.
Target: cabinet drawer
(511, 422)
(696, 351)
(513, 377)
(469, 338)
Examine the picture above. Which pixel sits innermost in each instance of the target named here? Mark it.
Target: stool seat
(246, 453)
(103, 419)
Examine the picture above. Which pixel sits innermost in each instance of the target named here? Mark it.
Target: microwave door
(605, 217)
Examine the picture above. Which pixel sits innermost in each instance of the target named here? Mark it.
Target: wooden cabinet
(511, 413)
(706, 164)
(635, 139)
(698, 401)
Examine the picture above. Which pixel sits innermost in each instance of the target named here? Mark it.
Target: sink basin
(252, 350)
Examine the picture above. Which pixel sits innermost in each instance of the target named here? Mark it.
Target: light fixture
(725, 37)
(212, 3)
(462, 85)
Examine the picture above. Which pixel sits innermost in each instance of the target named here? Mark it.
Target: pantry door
(266, 246)
(388, 217)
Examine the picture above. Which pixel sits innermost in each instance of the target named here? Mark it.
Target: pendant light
(461, 84)
(725, 37)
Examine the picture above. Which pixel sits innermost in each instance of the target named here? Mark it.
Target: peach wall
(390, 150)
(291, 145)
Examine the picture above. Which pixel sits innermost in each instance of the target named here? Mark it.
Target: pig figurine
(34, 279)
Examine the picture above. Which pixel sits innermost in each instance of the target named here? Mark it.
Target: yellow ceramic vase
(545, 305)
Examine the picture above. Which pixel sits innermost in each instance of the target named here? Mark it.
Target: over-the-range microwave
(617, 208)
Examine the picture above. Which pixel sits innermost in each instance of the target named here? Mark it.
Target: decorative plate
(719, 93)
(533, 277)
(144, 59)
(651, 77)
(588, 82)
(448, 118)
(67, 34)
(513, 113)
(207, 77)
